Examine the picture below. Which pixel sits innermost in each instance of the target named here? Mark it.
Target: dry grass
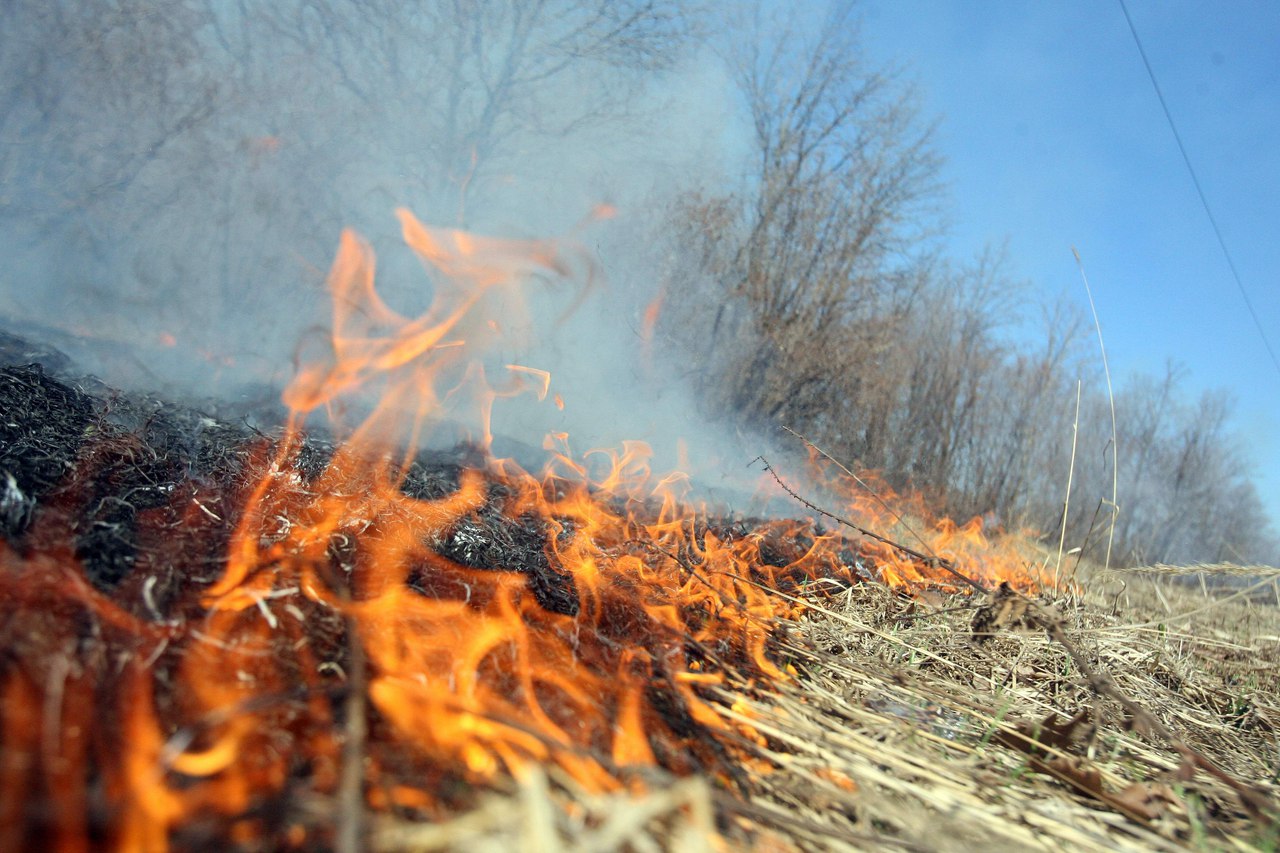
(894, 734)
(912, 713)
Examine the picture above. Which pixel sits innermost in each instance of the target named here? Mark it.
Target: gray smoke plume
(176, 175)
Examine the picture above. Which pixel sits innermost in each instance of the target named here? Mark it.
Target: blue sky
(1054, 138)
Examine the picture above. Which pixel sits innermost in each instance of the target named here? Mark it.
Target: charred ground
(118, 511)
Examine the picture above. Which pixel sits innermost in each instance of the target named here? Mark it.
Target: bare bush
(812, 297)
(808, 263)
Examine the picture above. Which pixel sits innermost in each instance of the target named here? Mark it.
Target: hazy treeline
(184, 167)
(816, 298)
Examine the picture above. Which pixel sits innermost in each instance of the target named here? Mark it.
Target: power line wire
(1204, 201)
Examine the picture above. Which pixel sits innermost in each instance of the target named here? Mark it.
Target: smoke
(176, 177)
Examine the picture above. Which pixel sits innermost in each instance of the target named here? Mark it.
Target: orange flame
(584, 619)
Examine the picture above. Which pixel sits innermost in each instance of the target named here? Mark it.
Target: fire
(483, 619)
(869, 499)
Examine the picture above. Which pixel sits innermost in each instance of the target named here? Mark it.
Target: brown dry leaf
(1062, 735)
(1075, 771)
(1029, 737)
(1141, 801)
(1147, 799)
(1007, 609)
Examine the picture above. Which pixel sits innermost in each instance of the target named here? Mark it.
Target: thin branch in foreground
(861, 482)
(351, 816)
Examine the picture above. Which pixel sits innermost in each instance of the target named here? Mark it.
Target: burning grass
(219, 638)
(210, 628)
(898, 732)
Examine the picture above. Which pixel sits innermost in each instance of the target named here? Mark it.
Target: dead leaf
(1141, 801)
(1007, 609)
(1030, 737)
(1075, 771)
(1147, 799)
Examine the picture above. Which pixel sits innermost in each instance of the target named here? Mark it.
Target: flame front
(471, 673)
(585, 619)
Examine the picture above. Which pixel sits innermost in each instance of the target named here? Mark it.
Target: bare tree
(955, 357)
(1014, 455)
(485, 82)
(824, 235)
(1146, 415)
(188, 161)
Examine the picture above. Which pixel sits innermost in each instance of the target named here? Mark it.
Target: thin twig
(932, 561)
(351, 817)
(896, 515)
(693, 572)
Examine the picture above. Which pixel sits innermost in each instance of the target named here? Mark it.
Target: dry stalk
(1066, 501)
(1230, 569)
(351, 817)
(1111, 397)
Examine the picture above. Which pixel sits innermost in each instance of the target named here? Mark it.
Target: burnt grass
(142, 496)
(99, 467)
(85, 467)
(102, 468)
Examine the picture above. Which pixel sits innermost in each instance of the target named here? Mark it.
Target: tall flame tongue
(506, 620)
(485, 619)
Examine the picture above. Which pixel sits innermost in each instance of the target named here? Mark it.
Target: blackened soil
(99, 469)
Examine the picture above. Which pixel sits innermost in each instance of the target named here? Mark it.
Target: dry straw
(900, 732)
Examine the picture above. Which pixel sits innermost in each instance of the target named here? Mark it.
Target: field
(899, 730)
